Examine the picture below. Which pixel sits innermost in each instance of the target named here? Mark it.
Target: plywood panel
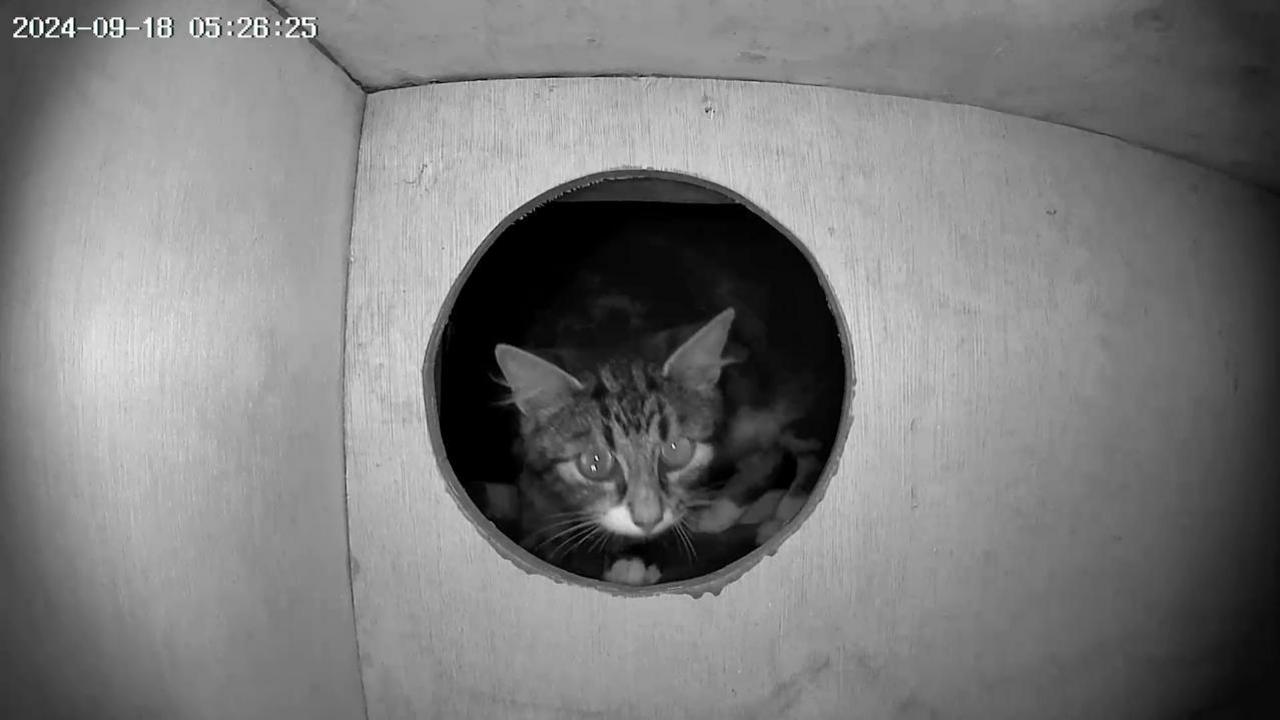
(1196, 79)
(1054, 498)
(176, 215)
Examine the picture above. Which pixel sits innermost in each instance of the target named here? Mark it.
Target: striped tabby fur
(690, 487)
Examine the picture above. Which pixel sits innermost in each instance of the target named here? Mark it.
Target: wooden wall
(174, 226)
(1055, 499)
(1194, 79)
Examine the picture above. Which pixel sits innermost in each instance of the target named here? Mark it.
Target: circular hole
(637, 384)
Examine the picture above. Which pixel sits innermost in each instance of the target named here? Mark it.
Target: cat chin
(617, 520)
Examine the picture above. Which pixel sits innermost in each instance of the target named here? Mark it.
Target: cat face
(624, 443)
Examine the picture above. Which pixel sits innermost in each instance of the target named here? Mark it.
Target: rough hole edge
(713, 582)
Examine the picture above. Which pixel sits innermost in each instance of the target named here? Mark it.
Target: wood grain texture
(1054, 498)
(175, 227)
(1192, 78)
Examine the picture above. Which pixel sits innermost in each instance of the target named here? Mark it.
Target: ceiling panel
(1199, 79)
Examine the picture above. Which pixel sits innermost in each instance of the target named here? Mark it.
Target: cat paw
(720, 516)
(767, 529)
(762, 509)
(786, 510)
(632, 571)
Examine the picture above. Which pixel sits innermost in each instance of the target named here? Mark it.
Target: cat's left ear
(696, 364)
(537, 385)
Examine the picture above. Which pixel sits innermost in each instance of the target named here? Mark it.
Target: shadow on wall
(37, 80)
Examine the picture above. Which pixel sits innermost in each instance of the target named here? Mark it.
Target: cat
(617, 455)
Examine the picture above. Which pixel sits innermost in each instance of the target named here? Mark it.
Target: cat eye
(677, 453)
(595, 464)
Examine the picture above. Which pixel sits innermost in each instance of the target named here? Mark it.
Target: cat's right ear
(537, 386)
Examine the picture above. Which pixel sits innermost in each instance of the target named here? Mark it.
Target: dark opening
(633, 269)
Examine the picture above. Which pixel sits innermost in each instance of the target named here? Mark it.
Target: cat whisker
(576, 516)
(569, 514)
(682, 530)
(568, 529)
(598, 542)
(557, 526)
(591, 533)
(553, 536)
(571, 540)
(580, 541)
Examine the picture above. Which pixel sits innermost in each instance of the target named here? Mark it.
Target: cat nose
(646, 517)
(647, 525)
